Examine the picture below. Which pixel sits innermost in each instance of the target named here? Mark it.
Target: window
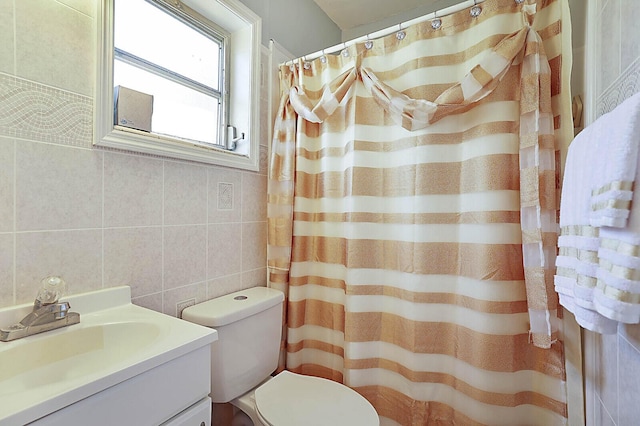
(199, 60)
(179, 61)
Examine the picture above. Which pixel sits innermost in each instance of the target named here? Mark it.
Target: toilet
(249, 325)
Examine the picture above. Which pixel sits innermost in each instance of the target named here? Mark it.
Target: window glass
(144, 30)
(177, 110)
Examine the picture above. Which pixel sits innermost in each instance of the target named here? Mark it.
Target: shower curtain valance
(410, 113)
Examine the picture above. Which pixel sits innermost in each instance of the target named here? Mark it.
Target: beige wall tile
(264, 160)
(76, 256)
(254, 245)
(630, 48)
(7, 47)
(224, 255)
(132, 190)
(602, 417)
(608, 48)
(185, 251)
(133, 257)
(224, 285)
(6, 270)
(57, 187)
(254, 278)
(54, 45)
(7, 179)
(254, 197)
(607, 372)
(185, 193)
(150, 301)
(264, 115)
(87, 7)
(628, 375)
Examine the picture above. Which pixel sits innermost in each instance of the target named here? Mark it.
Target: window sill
(128, 139)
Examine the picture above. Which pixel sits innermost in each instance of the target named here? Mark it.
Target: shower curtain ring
(475, 10)
(400, 35)
(436, 22)
(323, 58)
(306, 65)
(345, 51)
(368, 44)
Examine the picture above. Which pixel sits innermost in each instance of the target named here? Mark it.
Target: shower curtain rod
(386, 31)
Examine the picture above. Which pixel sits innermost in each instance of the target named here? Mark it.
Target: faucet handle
(52, 289)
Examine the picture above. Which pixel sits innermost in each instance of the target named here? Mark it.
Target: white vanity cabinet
(171, 394)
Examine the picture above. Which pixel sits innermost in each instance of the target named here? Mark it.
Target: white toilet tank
(249, 325)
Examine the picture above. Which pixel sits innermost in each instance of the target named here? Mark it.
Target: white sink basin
(51, 359)
(114, 341)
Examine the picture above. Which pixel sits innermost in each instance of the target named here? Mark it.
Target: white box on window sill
(132, 108)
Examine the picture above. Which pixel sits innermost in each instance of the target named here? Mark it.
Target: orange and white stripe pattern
(412, 217)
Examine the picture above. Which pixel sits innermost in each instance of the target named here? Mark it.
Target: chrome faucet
(48, 313)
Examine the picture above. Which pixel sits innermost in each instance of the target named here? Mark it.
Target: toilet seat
(291, 399)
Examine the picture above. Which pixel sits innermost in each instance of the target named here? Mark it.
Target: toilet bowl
(249, 325)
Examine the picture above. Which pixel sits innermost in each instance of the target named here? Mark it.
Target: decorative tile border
(34, 111)
(626, 85)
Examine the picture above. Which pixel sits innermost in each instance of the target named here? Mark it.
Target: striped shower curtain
(412, 216)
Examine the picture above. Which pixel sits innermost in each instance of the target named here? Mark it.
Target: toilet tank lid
(233, 307)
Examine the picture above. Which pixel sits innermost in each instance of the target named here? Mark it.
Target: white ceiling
(348, 14)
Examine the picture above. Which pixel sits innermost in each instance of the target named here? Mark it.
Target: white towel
(577, 262)
(588, 318)
(615, 171)
(598, 268)
(617, 294)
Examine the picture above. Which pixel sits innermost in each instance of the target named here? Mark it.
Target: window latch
(233, 138)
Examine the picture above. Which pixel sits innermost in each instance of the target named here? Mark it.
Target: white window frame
(243, 74)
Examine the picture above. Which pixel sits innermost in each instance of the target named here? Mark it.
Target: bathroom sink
(114, 341)
(48, 360)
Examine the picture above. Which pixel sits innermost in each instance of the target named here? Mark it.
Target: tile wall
(612, 362)
(171, 230)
